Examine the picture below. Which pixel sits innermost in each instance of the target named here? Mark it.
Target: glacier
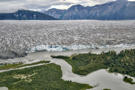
(60, 48)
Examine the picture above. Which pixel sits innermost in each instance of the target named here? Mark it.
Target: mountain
(117, 10)
(25, 15)
(56, 13)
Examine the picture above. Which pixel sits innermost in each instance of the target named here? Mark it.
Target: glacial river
(101, 78)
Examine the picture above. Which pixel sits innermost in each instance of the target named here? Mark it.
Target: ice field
(19, 37)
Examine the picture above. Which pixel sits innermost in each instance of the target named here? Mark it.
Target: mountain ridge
(116, 10)
(25, 15)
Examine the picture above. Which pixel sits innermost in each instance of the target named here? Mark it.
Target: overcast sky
(10, 5)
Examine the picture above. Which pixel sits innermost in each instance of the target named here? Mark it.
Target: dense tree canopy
(123, 63)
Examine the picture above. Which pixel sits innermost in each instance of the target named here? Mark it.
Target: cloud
(11, 5)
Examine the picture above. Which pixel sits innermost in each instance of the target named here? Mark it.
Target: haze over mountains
(116, 10)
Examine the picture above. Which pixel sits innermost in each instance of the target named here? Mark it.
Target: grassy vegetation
(40, 62)
(128, 80)
(9, 66)
(18, 65)
(45, 77)
(123, 63)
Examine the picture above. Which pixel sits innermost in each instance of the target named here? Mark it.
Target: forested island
(128, 80)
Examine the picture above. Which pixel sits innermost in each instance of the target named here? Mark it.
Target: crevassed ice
(58, 47)
(73, 47)
(46, 48)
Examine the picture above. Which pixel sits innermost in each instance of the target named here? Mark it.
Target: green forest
(123, 62)
(44, 77)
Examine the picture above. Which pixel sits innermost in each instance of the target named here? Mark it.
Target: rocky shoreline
(12, 54)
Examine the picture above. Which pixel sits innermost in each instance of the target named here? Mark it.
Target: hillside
(25, 15)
